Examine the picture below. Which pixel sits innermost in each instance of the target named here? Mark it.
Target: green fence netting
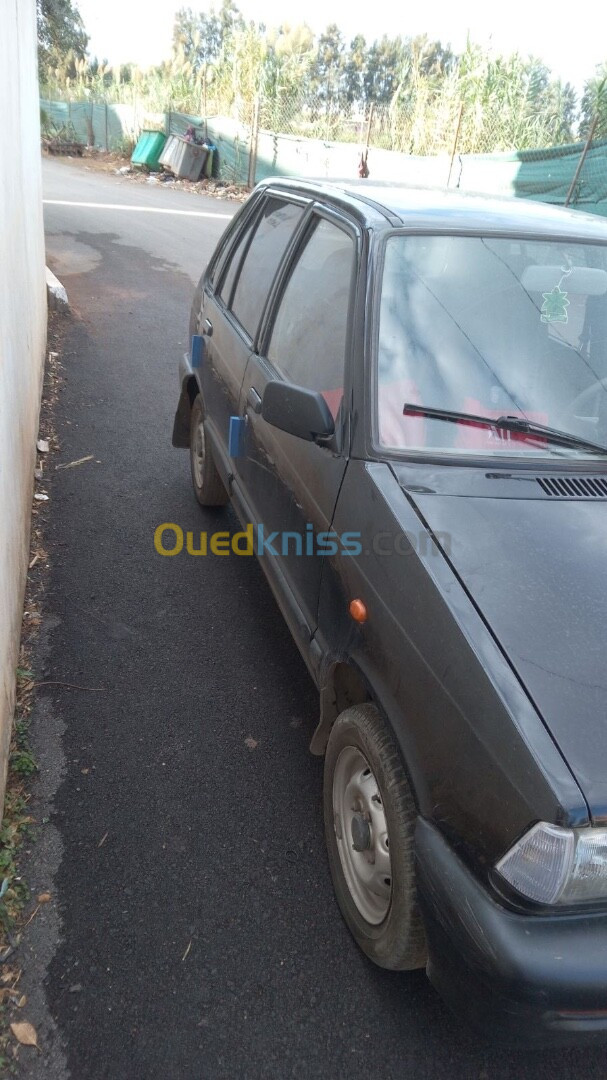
(545, 175)
(107, 127)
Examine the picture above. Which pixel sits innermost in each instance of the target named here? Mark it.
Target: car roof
(384, 203)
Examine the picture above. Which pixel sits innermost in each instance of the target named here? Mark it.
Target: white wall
(22, 327)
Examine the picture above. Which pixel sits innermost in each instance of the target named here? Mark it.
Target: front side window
(308, 341)
(274, 229)
(234, 261)
(240, 224)
(492, 327)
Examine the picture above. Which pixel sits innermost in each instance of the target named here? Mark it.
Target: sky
(140, 30)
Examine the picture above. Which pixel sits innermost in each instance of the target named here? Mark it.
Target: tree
(60, 33)
(201, 37)
(354, 71)
(230, 20)
(553, 105)
(289, 55)
(594, 103)
(327, 69)
(381, 76)
(197, 36)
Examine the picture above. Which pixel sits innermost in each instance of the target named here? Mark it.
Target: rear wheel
(206, 481)
(370, 818)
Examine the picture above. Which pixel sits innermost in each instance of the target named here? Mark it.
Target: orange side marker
(358, 611)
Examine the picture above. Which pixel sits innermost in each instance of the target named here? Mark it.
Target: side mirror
(303, 413)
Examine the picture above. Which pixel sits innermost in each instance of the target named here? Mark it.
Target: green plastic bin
(150, 145)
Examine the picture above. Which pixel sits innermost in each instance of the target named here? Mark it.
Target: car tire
(370, 817)
(206, 481)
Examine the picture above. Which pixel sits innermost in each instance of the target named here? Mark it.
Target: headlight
(558, 866)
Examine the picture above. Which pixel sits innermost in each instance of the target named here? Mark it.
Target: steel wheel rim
(198, 451)
(358, 817)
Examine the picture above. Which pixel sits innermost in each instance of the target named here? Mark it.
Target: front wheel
(206, 481)
(369, 823)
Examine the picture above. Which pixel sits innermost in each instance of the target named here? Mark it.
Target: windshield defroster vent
(574, 487)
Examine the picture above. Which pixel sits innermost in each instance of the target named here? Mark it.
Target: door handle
(207, 328)
(254, 400)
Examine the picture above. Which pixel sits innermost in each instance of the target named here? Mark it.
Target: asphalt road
(198, 934)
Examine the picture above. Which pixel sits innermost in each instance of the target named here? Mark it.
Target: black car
(404, 395)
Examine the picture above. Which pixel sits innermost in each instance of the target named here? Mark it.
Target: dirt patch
(19, 823)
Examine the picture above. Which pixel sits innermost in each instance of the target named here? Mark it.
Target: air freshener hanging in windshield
(554, 308)
(556, 302)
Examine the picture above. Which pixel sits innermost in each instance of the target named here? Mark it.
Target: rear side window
(308, 342)
(274, 230)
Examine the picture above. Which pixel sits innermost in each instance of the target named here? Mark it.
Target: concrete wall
(22, 327)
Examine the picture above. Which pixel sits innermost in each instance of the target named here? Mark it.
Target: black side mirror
(299, 412)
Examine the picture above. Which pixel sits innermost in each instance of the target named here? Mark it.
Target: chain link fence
(432, 141)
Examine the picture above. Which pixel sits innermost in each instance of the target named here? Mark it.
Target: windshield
(492, 327)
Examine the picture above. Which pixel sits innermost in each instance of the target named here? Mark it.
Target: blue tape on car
(235, 436)
(197, 350)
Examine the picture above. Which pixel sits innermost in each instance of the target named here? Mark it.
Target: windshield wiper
(506, 423)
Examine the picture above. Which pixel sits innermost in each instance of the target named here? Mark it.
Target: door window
(234, 261)
(308, 342)
(241, 224)
(275, 227)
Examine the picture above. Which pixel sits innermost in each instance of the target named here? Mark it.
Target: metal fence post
(580, 164)
(253, 145)
(455, 141)
(369, 125)
(107, 145)
(90, 129)
(204, 103)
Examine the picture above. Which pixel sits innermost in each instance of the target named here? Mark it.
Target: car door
(232, 311)
(291, 484)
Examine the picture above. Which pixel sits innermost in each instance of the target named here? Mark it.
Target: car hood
(536, 569)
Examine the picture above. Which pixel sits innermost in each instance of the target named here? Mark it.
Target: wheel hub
(361, 832)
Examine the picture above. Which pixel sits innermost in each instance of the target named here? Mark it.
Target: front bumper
(538, 980)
